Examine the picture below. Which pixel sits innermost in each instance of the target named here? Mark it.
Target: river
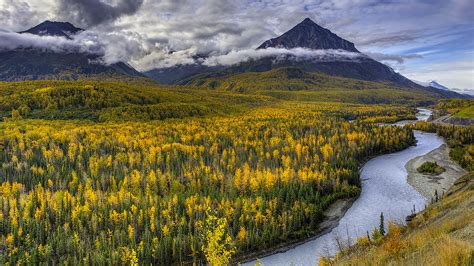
(384, 189)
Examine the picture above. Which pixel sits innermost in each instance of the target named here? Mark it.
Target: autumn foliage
(88, 192)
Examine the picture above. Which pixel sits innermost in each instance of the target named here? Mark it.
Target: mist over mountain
(48, 51)
(308, 46)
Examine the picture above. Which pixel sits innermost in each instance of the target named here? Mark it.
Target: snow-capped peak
(432, 84)
(436, 85)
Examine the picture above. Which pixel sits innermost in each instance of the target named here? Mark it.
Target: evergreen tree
(381, 226)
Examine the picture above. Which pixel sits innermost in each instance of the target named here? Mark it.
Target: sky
(423, 40)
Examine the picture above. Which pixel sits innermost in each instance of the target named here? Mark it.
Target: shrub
(431, 168)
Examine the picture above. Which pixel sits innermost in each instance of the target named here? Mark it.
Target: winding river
(384, 189)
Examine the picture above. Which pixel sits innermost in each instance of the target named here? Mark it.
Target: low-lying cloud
(235, 57)
(82, 43)
(135, 49)
(111, 47)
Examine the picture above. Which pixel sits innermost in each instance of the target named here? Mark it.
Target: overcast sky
(424, 40)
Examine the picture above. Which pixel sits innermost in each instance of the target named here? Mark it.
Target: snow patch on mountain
(432, 84)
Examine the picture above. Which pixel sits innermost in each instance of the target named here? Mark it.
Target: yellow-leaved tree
(218, 246)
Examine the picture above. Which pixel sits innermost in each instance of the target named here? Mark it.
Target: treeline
(114, 101)
(78, 192)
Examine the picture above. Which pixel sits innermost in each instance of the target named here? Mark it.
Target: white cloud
(453, 74)
(85, 42)
(235, 57)
(112, 47)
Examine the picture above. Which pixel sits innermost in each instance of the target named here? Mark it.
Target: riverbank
(426, 185)
(449, 120)
(332, 215)
(439, 235)
(335, 212)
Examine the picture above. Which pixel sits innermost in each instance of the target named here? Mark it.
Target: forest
(115, 173)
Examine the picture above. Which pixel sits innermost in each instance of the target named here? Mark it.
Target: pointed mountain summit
(309, 35)
(435, 84)
(54, 28)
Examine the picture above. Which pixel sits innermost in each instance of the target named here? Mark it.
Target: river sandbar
(426, 185)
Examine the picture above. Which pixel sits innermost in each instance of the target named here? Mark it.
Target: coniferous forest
(123, 174)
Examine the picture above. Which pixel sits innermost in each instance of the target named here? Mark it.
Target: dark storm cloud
(93, 12)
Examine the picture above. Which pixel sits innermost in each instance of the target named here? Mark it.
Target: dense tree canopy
(127, 184)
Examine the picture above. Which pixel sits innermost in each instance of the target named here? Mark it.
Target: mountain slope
(361, 69)
(175, 74)
(32, 63)
(294, 83)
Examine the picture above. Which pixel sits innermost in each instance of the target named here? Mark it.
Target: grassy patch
(466, 112)
(431, 168)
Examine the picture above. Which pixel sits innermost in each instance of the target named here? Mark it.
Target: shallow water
(422, 115)
(384, 189)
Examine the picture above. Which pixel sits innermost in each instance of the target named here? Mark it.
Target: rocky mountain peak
(308, 34)
(54, 28)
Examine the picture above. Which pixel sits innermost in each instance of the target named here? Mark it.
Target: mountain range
(335, 56)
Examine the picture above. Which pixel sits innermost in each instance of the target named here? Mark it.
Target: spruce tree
(381, 227)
